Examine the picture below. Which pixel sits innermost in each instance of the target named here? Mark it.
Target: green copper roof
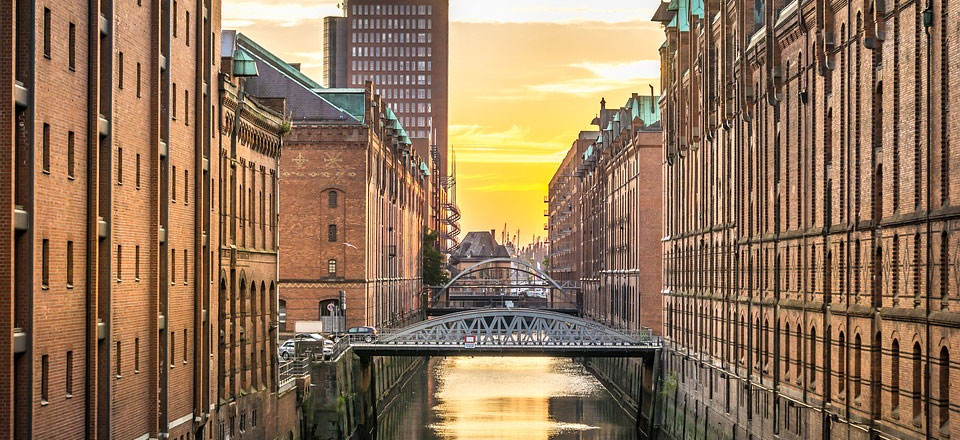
(696, 8)
(243, 64)
(645, 108)
(681, 20)
(588, 153)
(352, 101)
(424, 168)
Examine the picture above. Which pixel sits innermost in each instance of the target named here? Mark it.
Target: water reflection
(504, 398)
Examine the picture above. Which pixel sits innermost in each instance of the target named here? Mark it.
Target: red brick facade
(604, 213)
(112, 212)
(354, 203)
(810, 251)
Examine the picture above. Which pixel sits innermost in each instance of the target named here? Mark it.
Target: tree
(433, 272)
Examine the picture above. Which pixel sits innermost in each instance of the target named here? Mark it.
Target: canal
(526, 398)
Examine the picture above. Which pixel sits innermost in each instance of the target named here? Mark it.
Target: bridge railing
(291, 370)
(456, 337)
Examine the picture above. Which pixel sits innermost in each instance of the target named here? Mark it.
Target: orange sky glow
(525, 77)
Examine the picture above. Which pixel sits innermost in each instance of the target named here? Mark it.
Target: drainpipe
(927, 24)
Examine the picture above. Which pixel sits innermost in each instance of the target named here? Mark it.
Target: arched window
(332, 199)
(894, 375)
(766, 342)
(944, 388)
(253, 299)
(786, 350)
(917, 379)
(857, 364)
(741, 344)
(841, 362)
(332, 268)
(876, 374)
(799, 352)
(813, 356)
(756, 342)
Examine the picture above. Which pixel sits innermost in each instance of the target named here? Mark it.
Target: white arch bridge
(502, 281)
(510, 332)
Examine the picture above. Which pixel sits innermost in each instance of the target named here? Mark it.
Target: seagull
(348, 244)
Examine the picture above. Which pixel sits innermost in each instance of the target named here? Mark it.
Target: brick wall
(809, 251)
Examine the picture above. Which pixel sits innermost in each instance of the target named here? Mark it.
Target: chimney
(603, 104)
(653, 105)
(493, 233)
(295, 66)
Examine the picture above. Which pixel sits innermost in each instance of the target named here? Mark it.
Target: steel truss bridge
(500, 282)
(510, 332)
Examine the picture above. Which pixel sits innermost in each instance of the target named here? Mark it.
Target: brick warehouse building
(604, 212)
(354, 202)
(111, 306)
(810, 252)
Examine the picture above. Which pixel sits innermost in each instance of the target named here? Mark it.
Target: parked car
(287, 350)
(366, 333)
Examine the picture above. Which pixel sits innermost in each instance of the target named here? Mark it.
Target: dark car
(366, 333)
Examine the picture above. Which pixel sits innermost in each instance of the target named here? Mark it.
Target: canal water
(528, 398)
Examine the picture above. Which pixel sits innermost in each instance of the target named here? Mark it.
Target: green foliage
(433, 271)
(669, 384)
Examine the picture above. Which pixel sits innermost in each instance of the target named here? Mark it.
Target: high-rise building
(401, 46)
(810, 247)
(116, 212)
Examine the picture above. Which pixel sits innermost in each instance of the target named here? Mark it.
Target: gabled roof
(279, 79)
(479, 245)
(663, 14)
(287, 69)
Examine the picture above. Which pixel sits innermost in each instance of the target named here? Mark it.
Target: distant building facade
(810, 218)
(354, 202)
(116, 209)
(604, 212)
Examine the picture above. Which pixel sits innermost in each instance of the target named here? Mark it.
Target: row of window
(48, 39)
(425, 38)
(45, 377)
(905, 267)
(396, 66)
(72, 41)
(45, 264)
(391, 23)
(46, 145)
(393, 51)
(391, 10)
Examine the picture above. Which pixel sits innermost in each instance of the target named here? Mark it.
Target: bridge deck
(446, 310)
(376, 349)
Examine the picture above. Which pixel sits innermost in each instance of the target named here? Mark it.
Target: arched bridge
(512, 332)
(502, 282)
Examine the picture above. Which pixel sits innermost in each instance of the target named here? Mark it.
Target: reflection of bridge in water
(503, 282)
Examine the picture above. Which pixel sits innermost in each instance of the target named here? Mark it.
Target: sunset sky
(525, 77)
